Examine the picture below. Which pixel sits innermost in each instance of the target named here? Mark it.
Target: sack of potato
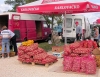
(97, 60)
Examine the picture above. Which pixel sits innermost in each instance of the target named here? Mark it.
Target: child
(5, 41)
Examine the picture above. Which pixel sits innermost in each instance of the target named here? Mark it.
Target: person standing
(78, 31)
(13, 42)
(96, 34)
(5, 41)
(59, 30)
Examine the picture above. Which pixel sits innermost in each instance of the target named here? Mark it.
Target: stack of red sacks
(34, 54)
(80, 64)
(88, 44)
(82, 48)
(76, 52)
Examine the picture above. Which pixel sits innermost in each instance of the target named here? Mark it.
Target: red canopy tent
(59, 7)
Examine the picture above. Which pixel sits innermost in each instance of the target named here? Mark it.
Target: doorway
(38, 29)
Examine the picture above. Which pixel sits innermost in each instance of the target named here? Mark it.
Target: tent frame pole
(65, 27)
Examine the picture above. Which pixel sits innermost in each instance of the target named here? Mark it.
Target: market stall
(59, 7)
(77, 56)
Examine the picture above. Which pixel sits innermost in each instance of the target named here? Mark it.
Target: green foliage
(46, 46)
(58, 19)
(16, 3)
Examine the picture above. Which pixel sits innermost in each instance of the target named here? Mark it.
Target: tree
(58, 19)
(16, 3)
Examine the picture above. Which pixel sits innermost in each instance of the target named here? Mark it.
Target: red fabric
(60, 8)
(98, 21)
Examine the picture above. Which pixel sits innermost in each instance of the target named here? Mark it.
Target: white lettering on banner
(68, 7)
(29, 9)
(48, 1)
(94, 6)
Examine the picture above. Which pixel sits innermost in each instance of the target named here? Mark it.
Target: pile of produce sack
(80, 64)
(32, 53)
(78, 57)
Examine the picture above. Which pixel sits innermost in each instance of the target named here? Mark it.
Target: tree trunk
(52, 22)
(52, 28)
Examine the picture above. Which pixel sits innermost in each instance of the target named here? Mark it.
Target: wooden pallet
(46, 65)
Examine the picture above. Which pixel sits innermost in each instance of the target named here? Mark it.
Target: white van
(69, 27)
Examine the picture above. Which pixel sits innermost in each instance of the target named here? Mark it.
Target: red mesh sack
(82, 50)
(47, 60)
(20, 52)
(85, 44)
(76, 64)
(83, 64)
(74, 45)
(32, 47)
(81, 43)
(67, 50)
(95, 44)
(67, 63)
(40, 56)
(91, 66)
(22, 48)
(90, 44)
(74, 55)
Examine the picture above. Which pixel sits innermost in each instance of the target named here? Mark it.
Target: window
(68, 22)
(79, 21)
(45, 25)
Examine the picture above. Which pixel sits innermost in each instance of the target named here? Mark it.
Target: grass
(46, 46)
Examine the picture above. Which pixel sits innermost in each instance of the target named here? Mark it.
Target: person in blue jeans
(5, 33)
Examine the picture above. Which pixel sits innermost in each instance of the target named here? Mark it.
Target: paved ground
(13, 68)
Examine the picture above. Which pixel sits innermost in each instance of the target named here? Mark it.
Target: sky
(91, 16)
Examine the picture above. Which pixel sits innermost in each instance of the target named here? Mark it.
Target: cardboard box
(57, 48)
(96, 51)
(58, 54)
